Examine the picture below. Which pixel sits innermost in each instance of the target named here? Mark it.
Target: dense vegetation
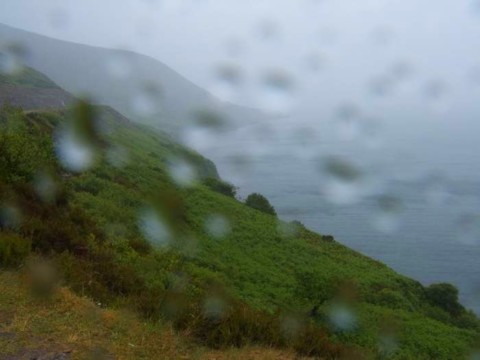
(261, 203)
(126, 233)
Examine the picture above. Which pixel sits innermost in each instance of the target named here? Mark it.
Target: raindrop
(277, 92)
(214, 307)
(146, 101)
(74, 153)
(12, 58)
(210, 120)
(217, 226)
(342, 318)
(227, 80)
(344, 182)
(154, 228)
(289, 229)
(182, 172)
(342, 169)
(387, 216)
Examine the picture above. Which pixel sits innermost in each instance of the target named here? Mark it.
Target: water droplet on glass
(217, 226)
(182, 172)
(146, 101)
(388, 215)
(277, 92)
(12, 58)
(228, 79)
(214, 307)
(154, 228)
(342, 317)
(343, 182)
(74, 153)
(210, 120)
(289, 229)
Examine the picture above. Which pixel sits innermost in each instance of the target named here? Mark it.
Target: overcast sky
(396, 60)
(351, 44)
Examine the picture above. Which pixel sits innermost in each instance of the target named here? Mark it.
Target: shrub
(261, 203)
(221, 187)
(13, 249)
(445, 296)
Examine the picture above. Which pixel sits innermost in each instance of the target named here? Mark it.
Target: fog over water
(375, 133)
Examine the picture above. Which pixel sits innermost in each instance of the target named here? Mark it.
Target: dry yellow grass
(75, 328)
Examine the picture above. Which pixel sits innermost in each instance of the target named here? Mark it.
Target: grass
(66, 323)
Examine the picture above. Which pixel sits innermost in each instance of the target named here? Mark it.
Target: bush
(445, 296)
(261, 203)
(221, 187)
(13, 249)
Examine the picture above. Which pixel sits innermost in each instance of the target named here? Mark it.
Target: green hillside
(28, 77)
(144, 227)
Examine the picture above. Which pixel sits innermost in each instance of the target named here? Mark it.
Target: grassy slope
(67, 324)
(28, 77)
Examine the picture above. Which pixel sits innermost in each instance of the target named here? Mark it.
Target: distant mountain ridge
(138, 86)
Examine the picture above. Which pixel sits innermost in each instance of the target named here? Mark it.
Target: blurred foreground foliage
(266, 282)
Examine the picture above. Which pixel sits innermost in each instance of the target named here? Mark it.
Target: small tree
(260, 202)
(445, 296)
